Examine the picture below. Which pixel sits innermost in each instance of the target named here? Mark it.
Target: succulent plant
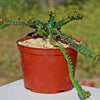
(51, 29)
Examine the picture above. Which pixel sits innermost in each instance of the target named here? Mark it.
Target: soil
(40, 43)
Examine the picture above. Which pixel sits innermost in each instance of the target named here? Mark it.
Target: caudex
(51, 29)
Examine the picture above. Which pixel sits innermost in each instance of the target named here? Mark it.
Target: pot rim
(26, 38)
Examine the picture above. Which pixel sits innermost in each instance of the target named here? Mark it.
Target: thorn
(72, 67)
(64, 21)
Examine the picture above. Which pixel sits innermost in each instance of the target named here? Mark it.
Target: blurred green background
(87, 30)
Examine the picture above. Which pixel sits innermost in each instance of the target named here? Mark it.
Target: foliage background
(87, 30)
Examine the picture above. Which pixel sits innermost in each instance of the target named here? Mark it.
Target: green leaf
(3, 26)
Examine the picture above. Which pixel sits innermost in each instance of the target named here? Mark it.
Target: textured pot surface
(46, 70)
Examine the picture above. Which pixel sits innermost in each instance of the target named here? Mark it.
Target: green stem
(70, 67)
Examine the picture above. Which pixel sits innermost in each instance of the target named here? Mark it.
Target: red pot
(46, 70)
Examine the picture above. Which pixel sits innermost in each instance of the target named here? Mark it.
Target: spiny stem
(67, 39)
(51, 23)
(72, 15)
(70, 67)
(32, 33)
(39, 23)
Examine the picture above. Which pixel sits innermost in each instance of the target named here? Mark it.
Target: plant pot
(46, 70)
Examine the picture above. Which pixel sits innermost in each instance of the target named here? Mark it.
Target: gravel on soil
(40, 43)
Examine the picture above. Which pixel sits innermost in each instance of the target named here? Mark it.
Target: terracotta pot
(46, 70)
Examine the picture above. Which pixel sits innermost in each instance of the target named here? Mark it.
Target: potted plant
(50, 70)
